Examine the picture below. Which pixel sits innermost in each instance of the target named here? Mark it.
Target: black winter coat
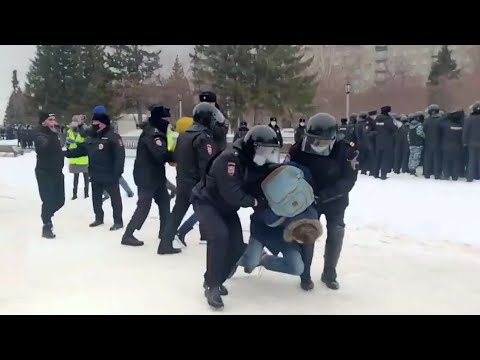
(240, 134)
(223, 186)
(334, 175)
(49, 151)
(431, 128)
(299, 132)
(194, 149)
(106, 156)
(451, 135)
(152, 154)
(385, 132)
(279, 134)
(471, 131)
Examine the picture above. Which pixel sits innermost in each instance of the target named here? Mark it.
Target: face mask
(95, 127)
(273, 123)
(302, 124)
(259, 160)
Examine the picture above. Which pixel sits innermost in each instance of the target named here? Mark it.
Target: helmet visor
(317, 145)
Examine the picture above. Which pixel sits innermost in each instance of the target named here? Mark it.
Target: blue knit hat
(100, 109)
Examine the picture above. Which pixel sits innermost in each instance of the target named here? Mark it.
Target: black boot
(333, 248)
(129, 239)
(223, 289)
(306, 284)
(96, 223)
(213, 297)
(85, 193)
(47, 232)
(331, 283)
(74, 194)
(116, 227)
(165, 248)
(181, 238)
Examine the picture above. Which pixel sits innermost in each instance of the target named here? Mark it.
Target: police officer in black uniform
(149, 176)
(300, 130)
(49, 171)
(402, 149)
(362, 142)
(106, 160)
(432, 161)
(194, 149)
(342, 129)
(333, 164)
(242, 131)
(220, 129)
(471, 140)
(451, 132)
(216, 200)
(385, 142)
(273, 124)
(351, 136)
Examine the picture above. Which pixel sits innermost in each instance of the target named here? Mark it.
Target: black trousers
(401, 158)
(182, 203)
(85, 182)
(113, 189)
(144, 203)
(473, 170)
(52, 192)
(225, 245)
(333, 245)
(384, 161)
(432, 163)
(452, 162)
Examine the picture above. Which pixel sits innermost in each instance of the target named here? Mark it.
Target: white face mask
(302, 124)
(259, 160)
(273, 123)
(321, 150)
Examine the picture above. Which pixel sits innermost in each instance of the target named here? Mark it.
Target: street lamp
(348, 89)
(179, 106)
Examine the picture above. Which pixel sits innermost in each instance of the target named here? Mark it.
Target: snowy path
(396, 259)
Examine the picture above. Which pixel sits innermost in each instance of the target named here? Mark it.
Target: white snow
(410, 248)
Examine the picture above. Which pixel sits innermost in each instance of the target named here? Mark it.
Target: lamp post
(179, 106)
(348, 89)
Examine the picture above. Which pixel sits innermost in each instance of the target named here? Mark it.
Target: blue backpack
(287, 192)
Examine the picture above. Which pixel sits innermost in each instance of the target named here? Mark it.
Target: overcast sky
(17, 57)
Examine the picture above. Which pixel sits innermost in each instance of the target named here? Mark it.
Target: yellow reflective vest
(83, 160)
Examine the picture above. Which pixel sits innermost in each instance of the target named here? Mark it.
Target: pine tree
(18, 107)
(271, 77)
(133, 66)
(177, 89)
(444, 67)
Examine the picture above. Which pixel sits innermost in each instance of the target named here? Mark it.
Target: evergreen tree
(444, 67)
(132, 67)
(271, 77)
(177, 89)
(18, 108)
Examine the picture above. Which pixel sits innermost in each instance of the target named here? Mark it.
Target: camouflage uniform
(416, 139)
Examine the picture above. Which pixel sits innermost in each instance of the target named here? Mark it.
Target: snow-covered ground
(412, 246)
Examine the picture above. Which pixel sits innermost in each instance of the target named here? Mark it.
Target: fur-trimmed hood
(311, 226)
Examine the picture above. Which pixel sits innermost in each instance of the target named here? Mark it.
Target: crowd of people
(287, 197)
(446, 144)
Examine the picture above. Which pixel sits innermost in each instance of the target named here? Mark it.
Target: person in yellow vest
(77, 165)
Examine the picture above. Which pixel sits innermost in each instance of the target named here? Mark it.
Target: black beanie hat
(42, 116)
(103, 118)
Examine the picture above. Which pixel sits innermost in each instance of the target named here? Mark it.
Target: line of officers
(446, 144)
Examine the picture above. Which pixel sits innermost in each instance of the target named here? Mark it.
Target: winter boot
(74, 194)
(47, 232)
(116, 227)
(213, 297)
(331, 283)
(165, 248)
(333, 248)
(306, 284)
(413, 172)
(129, 239)
(85, 193)
(96, 223)
(223, 289)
